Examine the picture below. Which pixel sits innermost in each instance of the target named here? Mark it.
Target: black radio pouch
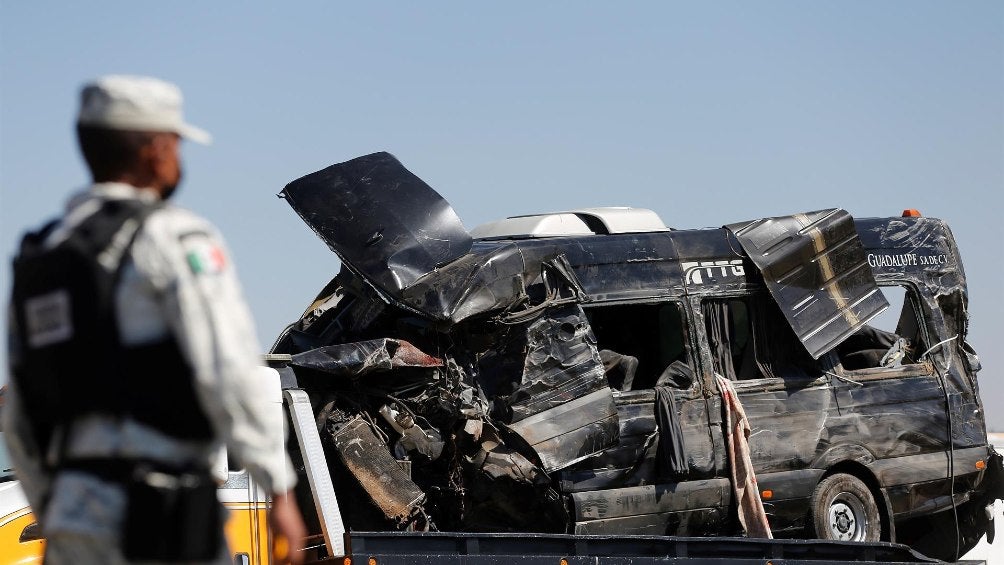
(172, 516)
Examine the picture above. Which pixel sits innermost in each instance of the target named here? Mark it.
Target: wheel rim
(846, 518)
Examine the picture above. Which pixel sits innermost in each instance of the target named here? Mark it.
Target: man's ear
(160, 147)
(150, 153)
(162, 153)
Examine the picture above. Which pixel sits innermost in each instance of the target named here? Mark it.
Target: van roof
(408, 244)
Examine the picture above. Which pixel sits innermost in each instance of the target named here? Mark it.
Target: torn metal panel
(573, 431)
(406, 241)
(487, 279)
(815, 268)
(363, 357)
(916, 245)
(380, 218)
(634, 460)
(561, 364)
(366, 457)
(563, 406)
(493, 278)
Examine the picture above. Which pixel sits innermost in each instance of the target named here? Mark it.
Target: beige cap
(136, 103)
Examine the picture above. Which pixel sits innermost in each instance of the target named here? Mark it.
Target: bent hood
(400, 236)
(384, 222)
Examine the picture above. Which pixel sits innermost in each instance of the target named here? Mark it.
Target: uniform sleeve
(186, 261)
(24, 453)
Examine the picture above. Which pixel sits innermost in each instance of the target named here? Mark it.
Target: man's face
(167, 164)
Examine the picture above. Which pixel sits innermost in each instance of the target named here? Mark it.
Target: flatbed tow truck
(331, 542)
(20, 542)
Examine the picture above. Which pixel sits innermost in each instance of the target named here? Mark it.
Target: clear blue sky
(708, 113)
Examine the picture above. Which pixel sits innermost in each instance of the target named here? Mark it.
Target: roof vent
(586, 221)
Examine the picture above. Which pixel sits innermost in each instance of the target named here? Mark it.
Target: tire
(843, 509)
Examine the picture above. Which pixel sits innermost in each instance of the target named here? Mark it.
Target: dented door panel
(901, 416)
(789, 425)
(656, 509)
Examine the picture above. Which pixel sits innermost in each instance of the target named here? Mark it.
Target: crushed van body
(557, 373)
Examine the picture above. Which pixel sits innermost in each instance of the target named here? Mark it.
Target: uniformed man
(133, 355)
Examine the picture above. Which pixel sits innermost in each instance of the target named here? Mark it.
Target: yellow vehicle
(246, 528)
(20, 541)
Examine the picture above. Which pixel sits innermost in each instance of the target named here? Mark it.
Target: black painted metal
(380, 218)
(816, 270)
(536, 441)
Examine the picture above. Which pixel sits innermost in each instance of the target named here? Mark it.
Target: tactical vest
(66, 354)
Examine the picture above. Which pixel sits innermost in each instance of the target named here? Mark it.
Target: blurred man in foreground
(133, 355)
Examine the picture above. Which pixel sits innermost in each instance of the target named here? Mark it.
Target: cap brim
(198, 135)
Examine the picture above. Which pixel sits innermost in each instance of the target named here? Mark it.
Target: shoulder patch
(203, 255)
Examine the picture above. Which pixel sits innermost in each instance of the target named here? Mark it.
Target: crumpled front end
(454, 426)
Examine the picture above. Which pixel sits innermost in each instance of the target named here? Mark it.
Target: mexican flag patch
(206, 259)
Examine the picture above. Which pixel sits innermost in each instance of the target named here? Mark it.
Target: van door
(661, 478)
(892, 401)
(785, 393)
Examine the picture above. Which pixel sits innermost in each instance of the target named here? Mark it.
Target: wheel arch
(864, 474)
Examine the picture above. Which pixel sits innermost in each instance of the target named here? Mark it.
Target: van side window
(749, 338)
(643, 345)
(892, 339)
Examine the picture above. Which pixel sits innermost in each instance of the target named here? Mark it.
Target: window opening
(643, 345)
(749, 338)
(892, 339)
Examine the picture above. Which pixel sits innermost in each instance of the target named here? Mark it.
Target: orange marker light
(563, 561)
(767, 494)
(911, 213)
(981, 464)
(372, 561)
(347, 561)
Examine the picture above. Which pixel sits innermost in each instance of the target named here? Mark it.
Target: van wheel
(843, 509)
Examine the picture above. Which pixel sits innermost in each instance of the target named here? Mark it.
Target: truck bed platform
(399, 548)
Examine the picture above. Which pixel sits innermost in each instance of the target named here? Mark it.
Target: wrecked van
(570, 372)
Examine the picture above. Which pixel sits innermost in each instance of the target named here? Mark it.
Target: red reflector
(911, 213)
